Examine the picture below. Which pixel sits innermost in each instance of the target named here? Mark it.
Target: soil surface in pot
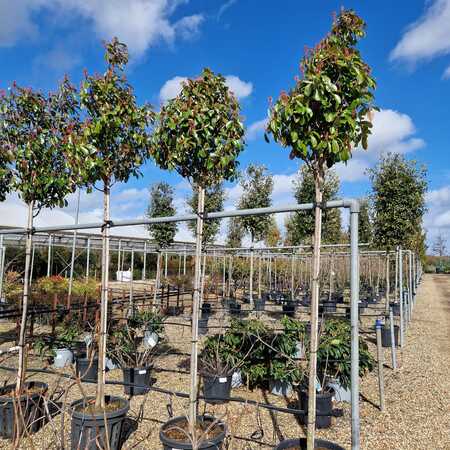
(180, 432)
(25, 392)
(93, 410)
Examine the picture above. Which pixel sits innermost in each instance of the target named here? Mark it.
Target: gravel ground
(417, 412)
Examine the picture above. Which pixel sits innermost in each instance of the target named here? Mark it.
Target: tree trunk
(101, 376)
(259, 277)
(26, 290)
(314, 312)
(195, 311)
(388, 282)
(202, 282)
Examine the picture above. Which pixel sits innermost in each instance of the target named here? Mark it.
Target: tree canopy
(398, 196)
(161, 205)
(326, 114)
(257, 186)
(200, 133)
(116, 127)
(300, 225)
(38, 140)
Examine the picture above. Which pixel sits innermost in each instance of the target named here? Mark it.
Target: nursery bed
(417, 401)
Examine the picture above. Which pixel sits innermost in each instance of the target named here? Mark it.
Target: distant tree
(273, 234)
(257, 186)
(440, 245)
(365, 229)
(234, 233)
(214, 200)
(161, 205)
(301, 223)
(398, 196)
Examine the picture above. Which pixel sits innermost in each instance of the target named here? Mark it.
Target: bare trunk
(259, 277)
(195, 312)
(101, 376)
(388, 282)
(314, 313)
(26, 290)
(202, 282)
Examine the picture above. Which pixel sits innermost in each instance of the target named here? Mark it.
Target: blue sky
(257, 46)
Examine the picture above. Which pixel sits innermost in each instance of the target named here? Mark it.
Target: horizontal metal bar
(346, 203)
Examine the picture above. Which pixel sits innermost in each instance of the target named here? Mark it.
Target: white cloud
(392, 132)
(255, 130)
(446, 74)
(428, 37)
(138, 23)
(224, 7)
(437, 217)
(171, 88)
(241, 89)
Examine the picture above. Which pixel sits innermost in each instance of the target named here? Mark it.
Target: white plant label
(141, 372)
(222, 380)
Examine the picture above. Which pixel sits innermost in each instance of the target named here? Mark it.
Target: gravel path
(417, 415)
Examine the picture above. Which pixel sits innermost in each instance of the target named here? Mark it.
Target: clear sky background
(257, 45)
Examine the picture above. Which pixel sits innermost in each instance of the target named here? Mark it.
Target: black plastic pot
(203, 326)
(206, 310)
(213, 444)
(324, 408)
(289, 309)
(260, 304)
(139, 377)
(87, 369)
(88, 428)
(395, 308)
(302, 444)
(31, 406)
(235, 309)
(216, 388)
(174, 310)
(386, 336)
(329, 307)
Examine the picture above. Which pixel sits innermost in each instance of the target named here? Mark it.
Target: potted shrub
(152, 323)
(135, 359)
(68, 334)
(300, 444)
(333, 367)
(86, 366)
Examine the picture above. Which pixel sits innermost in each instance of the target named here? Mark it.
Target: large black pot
(395, 309)
(206, 310)
(87, 369)
(324, 408)
(139, 377)
(31, 407)
(171, 444)
(216, 389)
(386, 336)
(329, 307)
(302, 444)
(87, 428)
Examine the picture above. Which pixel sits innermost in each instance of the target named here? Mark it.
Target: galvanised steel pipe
(354, 289)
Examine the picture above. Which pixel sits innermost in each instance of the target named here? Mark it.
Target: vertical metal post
(184, 262)
(2, 266)
(410, 290)
(131, 281)
(88, 257)
(378, 326)
(145, 261)
(49, 256)
(393, 346)
(165, 265)
(118, 257)
(292, 276)
(354, 288)
(400, 292)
